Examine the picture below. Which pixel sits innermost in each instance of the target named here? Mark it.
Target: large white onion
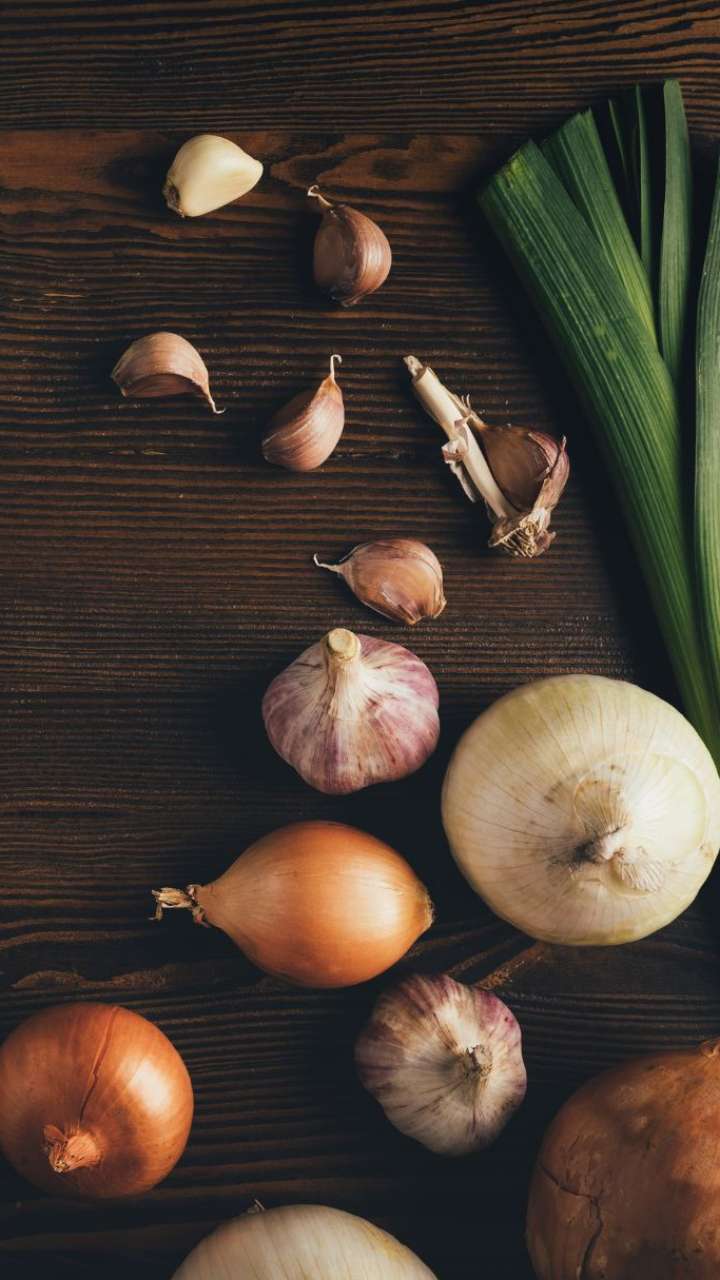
(296, 1242)
(584, 810)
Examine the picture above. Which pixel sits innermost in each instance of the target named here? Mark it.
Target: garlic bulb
(352, 256)
(207, 173)
(302, 435)
(162, 364)
(398, 577)
(445, 1063)
(296, 1242)
(584, 810)
(352, 710)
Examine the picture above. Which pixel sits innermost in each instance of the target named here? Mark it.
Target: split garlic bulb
(583, 810)
(295, 1242)
(444, 1061)
(352, 710)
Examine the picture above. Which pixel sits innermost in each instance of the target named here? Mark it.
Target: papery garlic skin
(400, 578)
(294, 1242)
(303, 434)
(352, 711)
(584, 810)
(162, 364)
(351, 256)
(207, 173)
(444, 1061)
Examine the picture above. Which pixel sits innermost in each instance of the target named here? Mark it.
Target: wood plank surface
(156, 572)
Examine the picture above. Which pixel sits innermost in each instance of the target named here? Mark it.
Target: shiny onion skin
(95, 1101)
(318, 903)
(299, 1242)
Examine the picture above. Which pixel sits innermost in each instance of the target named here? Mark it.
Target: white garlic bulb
(583, 810)
(294, 1242)
(207, 173)
(352, 710)
(444, 1061)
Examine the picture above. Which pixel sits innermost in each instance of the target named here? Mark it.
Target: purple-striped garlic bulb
(351, 711)
(444, 1060)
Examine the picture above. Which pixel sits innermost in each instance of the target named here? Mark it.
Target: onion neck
(68, 1152)
(631, 865)
(168, 899)
(604, 847)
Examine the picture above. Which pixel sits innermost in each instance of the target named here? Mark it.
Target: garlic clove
(444, 1061)
(351, 256)
(584, 810)
(303, 434)
(399, 578)
(207, 173)
(352, 711)
(163, 364)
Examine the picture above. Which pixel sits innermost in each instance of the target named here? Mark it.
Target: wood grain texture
(156, 572)
(501, 67)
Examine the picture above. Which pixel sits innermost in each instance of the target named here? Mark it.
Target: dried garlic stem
(463, 454)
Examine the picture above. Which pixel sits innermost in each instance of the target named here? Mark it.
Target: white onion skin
(104, 1070)
(584, 810)
(296, 1242)
(319, 903)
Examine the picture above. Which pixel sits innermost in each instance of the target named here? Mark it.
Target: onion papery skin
(627, 1182)
(296, 1242)
(584, 810)
(103, 1071)
(320, 904)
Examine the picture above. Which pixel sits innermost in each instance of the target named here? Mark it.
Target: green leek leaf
(624, 385)
(640, 153)
(674, 268)
(707, 468)
(576, 154)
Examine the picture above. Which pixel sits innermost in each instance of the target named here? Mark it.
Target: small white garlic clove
(399, 578)
(163, 364)
(444, 1061)
(352, 711)
(207, 173)
(303, 434)
(351, 256)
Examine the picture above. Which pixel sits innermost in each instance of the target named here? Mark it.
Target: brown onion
(318, 903)
(627, 1183)
(94, 1101)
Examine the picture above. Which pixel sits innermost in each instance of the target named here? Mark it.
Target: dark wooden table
(156, 573)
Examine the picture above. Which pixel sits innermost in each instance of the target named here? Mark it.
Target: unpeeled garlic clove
(400, 578)
(444, 1061)
(351, 711)
(302, 435)
(207, 173)
(352, 255)
(163, 364)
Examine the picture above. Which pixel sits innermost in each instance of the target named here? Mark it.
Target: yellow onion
(318, 903)
(301, 1242)
(627, 1182)
(94, 1101)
